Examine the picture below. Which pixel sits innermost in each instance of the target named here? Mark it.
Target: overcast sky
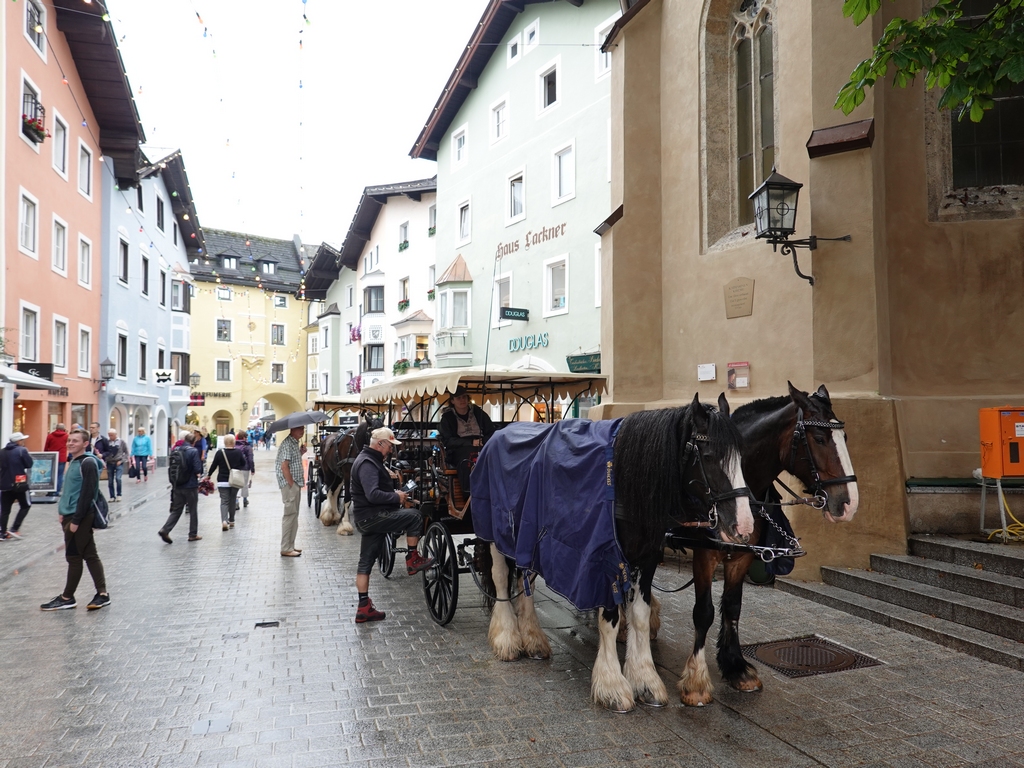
(370, 73)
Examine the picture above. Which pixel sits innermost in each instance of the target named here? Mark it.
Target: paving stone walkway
(176, 672)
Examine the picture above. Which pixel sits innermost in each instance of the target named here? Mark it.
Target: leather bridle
(818, 486)
(691, 455)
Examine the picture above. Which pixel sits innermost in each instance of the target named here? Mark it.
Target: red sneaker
(367, 612)
(415, 562)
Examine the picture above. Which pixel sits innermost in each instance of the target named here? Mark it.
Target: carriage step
(1007, 559)
(996, 618)
(962, 579)
(975, 642)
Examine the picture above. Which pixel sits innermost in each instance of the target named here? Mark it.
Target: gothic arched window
(755, 100)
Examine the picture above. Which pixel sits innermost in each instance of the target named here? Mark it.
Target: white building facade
(521, 136)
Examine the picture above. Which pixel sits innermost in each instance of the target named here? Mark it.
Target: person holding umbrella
(288, 467)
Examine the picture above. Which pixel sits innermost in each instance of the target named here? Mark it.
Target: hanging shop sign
(513, 313)
(42, 370)
(584, 363)
(531, 239)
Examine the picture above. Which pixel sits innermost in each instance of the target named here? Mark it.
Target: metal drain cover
(807, 656)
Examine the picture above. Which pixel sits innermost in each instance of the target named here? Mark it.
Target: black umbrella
(297, 419)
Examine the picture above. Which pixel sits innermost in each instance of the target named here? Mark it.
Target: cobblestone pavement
(176, 673)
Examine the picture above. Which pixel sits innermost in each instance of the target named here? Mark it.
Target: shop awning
(26, 380)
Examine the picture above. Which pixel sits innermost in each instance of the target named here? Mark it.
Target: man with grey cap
(378, 510)
(15, 463)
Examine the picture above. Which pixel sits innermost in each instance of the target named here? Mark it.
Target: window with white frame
(432, 220)
(350, 328)
(159, 214)
(277, 334)
(145, 276)
(163, 290)
(161, 358)
(314, 342)
(431, 271)
(314, 380)
(514, 50)
(464, 223)
(33, 121)
(403, 234)
(531, 36)
(140, 199)
(373, 357)
(327, 336)
(84, 350)
(35, 25)
(603, 59)
(123, 260)
(597, 274)
(223, 370)
(143, 360)
(515, 197)
(454, 308)
(223, 329)
(122, 355)
(373, 298)
(563, 174)
(280, 302)
(350, 295)
(268, 268)
(325, 378)
(548, 86)
(277, 373)
(502, 298)
(60, 246)
(229, 262)
(403, 289)
(174, 227)
(60, 343)
(84, 261)
(556, 286)
(28, 225)
(85, 170)
(60, 146)
(223, 293)
(177, 295)
(499, 120)
(460, 146)
(29, 349)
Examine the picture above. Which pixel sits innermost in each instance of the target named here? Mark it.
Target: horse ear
(800, 398)
(723, 405)
(696, 401)
(823, 394)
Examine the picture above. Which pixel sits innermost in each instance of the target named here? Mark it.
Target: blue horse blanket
(544, 494)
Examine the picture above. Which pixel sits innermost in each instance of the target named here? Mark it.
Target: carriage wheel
(387, 554)
(441, 583)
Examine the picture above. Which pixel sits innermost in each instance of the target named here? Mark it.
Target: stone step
(983, 645)
(1007, 559)
(996, 618)
(962, 579)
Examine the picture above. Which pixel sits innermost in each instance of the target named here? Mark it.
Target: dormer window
(268, 267)
(229, 262)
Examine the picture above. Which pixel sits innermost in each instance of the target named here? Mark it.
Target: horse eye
(820, 440)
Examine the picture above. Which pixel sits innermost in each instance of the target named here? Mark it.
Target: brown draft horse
(337, 453)
(801, 435)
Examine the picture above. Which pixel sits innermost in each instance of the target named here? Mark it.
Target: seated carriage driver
(463, 430)
(377, 510)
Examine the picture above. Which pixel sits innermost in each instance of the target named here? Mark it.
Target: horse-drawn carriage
(342, 415)
(695, 474)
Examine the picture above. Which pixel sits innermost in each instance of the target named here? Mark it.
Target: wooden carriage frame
(413, 404)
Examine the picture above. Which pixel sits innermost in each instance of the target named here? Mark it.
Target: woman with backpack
(226, 459)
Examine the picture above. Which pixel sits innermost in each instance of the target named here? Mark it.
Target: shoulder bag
(236, 477)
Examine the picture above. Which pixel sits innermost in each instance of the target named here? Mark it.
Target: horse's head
(820, 457)
(713, 463)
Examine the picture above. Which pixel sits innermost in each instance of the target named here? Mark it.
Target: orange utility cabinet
(1002, 441)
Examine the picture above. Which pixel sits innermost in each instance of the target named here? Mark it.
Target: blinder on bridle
(691, 455)
(818, 489)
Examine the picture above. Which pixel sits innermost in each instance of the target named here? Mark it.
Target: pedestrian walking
(288, 466)
(378, 510)
(184, 488)
(226, 459)
(142, 449)
(201, 444)
(81, 488)
(94, 435)
(114, 453)
(15, 462)
(250, 465)
(58, 441)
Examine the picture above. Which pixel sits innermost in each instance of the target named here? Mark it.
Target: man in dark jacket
(114, 453)
(185, 493)
(378, 510)
(81, 485)
(14, 464)
(463, 430)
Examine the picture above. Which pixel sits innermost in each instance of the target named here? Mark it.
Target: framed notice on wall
(738, 375)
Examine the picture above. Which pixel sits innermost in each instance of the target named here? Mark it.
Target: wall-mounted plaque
(739, 297)
(706, 372)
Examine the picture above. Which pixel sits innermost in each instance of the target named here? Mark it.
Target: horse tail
(649, 465)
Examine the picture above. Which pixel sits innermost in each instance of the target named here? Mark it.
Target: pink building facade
(62, 132)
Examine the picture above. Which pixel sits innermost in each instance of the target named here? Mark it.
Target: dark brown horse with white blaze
(798, 434)
(672, 467)
(337, 453)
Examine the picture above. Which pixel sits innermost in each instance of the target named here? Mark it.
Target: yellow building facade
(248, 331)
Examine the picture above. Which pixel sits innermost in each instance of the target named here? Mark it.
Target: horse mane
(363, 431)
(761, 407)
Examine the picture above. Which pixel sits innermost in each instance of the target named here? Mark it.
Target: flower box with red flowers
(34, 129)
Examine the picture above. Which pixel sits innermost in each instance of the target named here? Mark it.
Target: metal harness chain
(792, 541)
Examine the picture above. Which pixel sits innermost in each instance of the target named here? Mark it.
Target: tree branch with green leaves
(971, 59)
